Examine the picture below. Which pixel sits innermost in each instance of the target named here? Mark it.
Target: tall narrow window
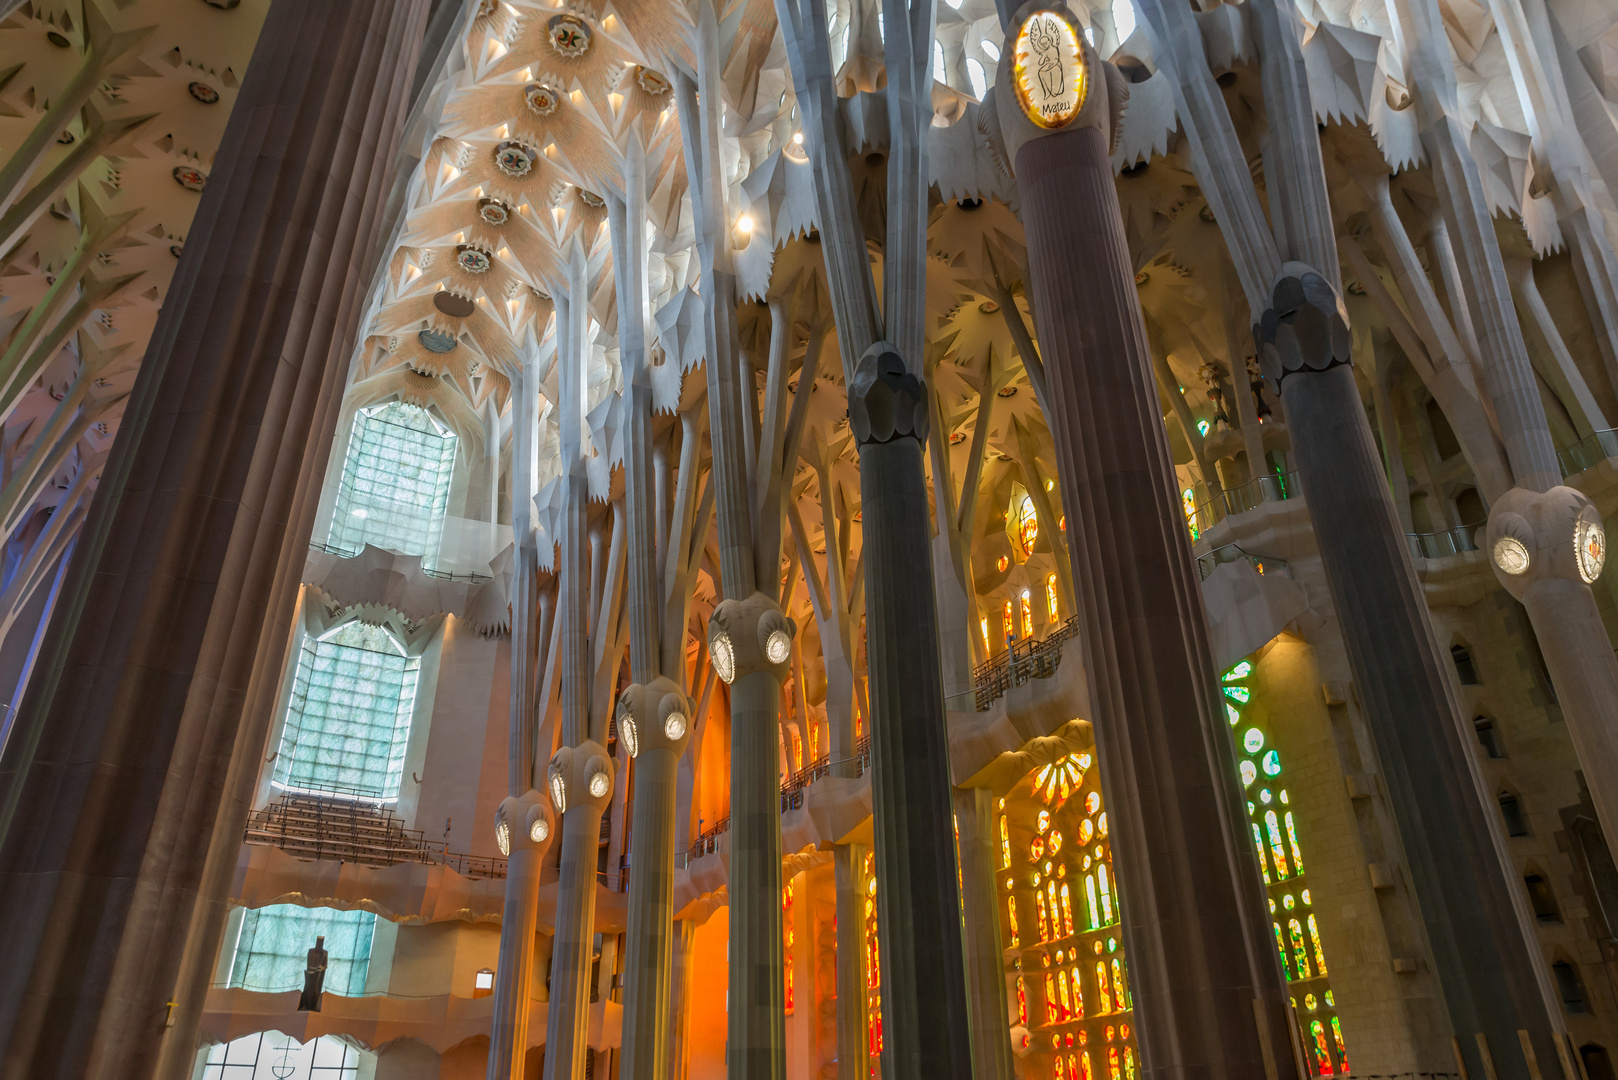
(396, 480)
(1511, 810)
(975, 73)
(349, 717)
(272, 949)
(1488, 736)
(1050, 597)
(1463, 665)
(1541, 899)
(1572, 990)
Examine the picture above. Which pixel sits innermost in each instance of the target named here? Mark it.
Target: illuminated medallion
(493, 211)
(541, 99)
(1048, 69)
(1511, 555)
(472, 260)
(513, 158)
(569, 36)
(1590, 548)
(189, 178)
(204, 93)
(653, 82)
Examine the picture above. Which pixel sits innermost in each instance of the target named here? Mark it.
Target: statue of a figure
(1255, 382)
(1211, 373)
(314, 978)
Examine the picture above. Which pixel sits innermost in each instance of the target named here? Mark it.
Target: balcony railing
(308, 826)
(1438, 545)
(791, 797)
(1024, 660)
(1264, 564)
(1277, 487)
(1593, 449)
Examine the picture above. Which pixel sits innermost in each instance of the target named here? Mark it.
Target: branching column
(1209, 994)
(580, 774)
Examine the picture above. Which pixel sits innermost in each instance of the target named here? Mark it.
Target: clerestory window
(396, 480)
(273, 946)
(348, 719)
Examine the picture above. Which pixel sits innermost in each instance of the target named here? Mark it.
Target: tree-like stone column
(1491, 980)
(580, 783)
(751, 644)
(1209, 994)
(523, 826)
(118, 775)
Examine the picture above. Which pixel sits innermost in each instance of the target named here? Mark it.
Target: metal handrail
(707, 841)
(1023, 660)
(1264, 564)
(323, 827)
(1443, 543)
(1272, 487)
(1593, 449)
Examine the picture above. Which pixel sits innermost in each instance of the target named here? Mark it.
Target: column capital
(655, 716)
(1304, 328)
(524, 823)
(885, 401)
(580, 776)
(1534, 536)
(750, 635)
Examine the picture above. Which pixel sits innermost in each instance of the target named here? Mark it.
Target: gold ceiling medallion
(542, 100)
(569, 35)
(653, 82)
(1048, 69)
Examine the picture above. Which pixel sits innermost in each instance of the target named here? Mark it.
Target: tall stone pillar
(580, 782)
(981, 935)
(1209, 994)
(523, 827)
(115, 781)
(925, 1019)
(853, 1049)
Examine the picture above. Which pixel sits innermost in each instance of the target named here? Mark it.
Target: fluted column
(523, 828)
(853, 1049)
(1209, 994)
(115, 783)
(981, 934)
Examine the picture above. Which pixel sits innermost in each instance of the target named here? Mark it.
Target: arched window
(1488, 736)
(396, 480)
(1541, 898)
(974, 72)
(1511, 810)
(1463, 665)
(1570, 986)
(348, 719)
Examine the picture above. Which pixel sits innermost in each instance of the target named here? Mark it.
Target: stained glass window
(1276, 837)
(873, 966)
(348, 719)
(1027, 615)
(396, 481)
(1050, 596)
(787, 938)
(272, 948)
(1027, 524)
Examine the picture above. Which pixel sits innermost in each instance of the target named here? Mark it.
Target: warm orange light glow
(1048, 69)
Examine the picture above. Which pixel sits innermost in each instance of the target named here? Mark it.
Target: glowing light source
(1511, 555)
(631, 737)
(777, 647)
(1048, 69)
(674, 726)
(539, 831)
(502, 837)
(744, 224)
(598, 784)
(1589, 548)
(724, 656)
(559, 793)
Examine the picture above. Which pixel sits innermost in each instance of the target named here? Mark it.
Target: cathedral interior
(439, 636)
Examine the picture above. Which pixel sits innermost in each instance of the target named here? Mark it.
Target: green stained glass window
(396, 480)
(272, 949)
(348, 719)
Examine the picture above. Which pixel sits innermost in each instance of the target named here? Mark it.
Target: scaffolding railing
(1023, 660)
(368, 833)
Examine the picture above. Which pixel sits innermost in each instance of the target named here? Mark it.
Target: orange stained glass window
(1050, 998)
(1084, 1065)
(1008, 621)
(983, 625)
(1044, 922)
(786, 944)
(1102, 994)
(873, 959)
(1050, 596)
(1113, 1072)
(1067, 998)
(1067, 910)
(1027, 525)
(1022, 1002)
(1011, 911)
(1322, 1054)
(1118, 996)
(1078, 993)
(1005, 843)
(1027, 615)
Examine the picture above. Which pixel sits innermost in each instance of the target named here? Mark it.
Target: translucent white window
(1123, 16)
(270, 1054)
(348, 719)
(396, 480)
(990, 49)
(272, 949)
(938, 61)
(974, 72)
